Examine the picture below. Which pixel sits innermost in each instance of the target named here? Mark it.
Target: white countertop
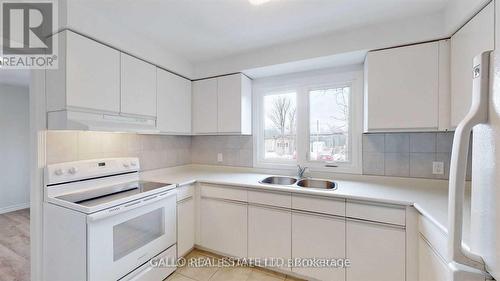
(429, 197)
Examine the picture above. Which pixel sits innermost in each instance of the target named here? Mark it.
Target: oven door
(123, 238)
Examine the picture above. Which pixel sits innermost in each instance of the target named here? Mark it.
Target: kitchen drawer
(325, 205)
(283, 200)
(386, 213)
(223, 192)
(434, 235)
(185, 191)
(147, 272)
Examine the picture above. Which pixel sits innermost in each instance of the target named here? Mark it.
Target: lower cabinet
(269, 234)
(377, 251)
(185, 226)
(432, 267)
(306, 231)
(224, 226)
(318, 236)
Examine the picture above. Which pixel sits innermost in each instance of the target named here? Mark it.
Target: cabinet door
(205, 106)
(269, 234)
(174, 103)
(138, 86)
(472, 39)
(92, 74)
(317, 236)
(224, 227)
(185, 226)
(431, 267)
(229, 104)
(402, 88)
(234, 104)
(377, 252)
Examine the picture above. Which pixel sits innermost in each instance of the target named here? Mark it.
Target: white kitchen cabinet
(185, 226)
(138, 86)
(224, 226)
(174, 103)
(402, 88)
(88, 77)
(234, 104)
(205, 106)
(432, 266)
(269, 231)
(472, 39)
(377, 251)
(319, 236)
(222, 105)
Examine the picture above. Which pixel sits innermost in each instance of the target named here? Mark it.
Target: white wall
(383, 35)
(14, 147)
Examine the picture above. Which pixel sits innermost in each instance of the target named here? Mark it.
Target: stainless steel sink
(279, 180)
(303, 183)
(320, 184)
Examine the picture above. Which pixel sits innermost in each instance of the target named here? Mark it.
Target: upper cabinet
(205, 106)
(80, 82)
(138, 86)
(174, 103)
(472, 39)
(113, 91)
(405, 86)
(234, 104)
(222, 105)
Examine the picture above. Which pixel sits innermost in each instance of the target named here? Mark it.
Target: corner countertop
(428, 196)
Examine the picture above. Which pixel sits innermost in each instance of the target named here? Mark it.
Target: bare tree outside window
(280, 128)
(329, 124)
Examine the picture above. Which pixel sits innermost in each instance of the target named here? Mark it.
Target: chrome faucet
(300, 171)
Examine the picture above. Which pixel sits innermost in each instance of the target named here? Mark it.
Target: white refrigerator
(481, 260)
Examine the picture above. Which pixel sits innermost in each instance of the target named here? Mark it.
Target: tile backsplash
(154, 151)
(386, 154)
(407, 154)
(236, 150)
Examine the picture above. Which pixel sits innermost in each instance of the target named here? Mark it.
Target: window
(280, 126)
(312, 119)
(329, 124)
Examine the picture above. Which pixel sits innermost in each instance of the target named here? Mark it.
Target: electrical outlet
(220, 157)
(438, 168)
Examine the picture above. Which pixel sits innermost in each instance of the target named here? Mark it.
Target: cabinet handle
(263, 206)
(314, 214)
(225, 200)
(390, 225)
(185, 200)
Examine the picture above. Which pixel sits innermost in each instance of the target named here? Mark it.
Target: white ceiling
(202, 30)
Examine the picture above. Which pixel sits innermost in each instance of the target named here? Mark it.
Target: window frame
(302, 84)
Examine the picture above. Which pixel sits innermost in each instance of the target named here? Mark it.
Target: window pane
(280, 126)
(329, 125)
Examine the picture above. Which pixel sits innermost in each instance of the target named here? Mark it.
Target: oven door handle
(130, 205)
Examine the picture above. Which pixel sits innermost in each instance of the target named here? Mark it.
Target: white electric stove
(101, 222)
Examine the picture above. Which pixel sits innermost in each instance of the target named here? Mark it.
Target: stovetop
(104, 195)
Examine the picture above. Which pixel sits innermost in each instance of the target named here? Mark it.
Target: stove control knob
(133, 164)
(72, 170)
(126, 165)
(58, 172)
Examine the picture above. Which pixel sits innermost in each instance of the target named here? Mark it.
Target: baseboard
(13, 208)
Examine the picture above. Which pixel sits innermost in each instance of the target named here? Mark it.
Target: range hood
(90, 121)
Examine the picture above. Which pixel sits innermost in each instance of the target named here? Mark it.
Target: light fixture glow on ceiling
(258, 2)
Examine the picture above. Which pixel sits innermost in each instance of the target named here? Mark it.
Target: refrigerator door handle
(477, 114)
